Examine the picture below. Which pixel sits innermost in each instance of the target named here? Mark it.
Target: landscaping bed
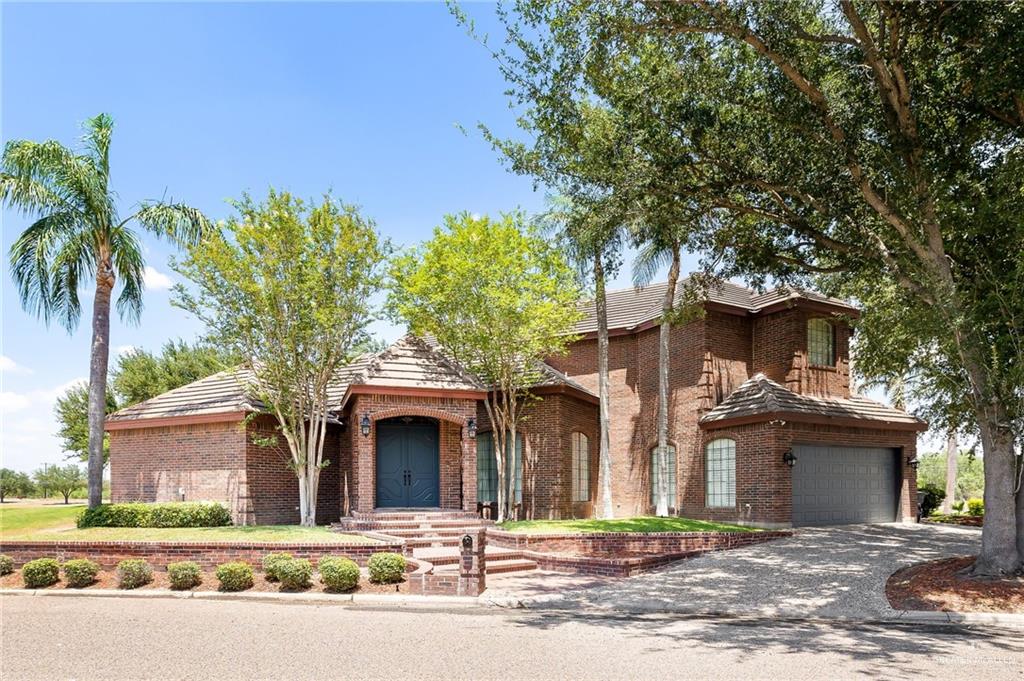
(939, 585)
(964, 520)
(107, 579)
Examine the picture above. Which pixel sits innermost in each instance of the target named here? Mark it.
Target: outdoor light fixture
(364, 425)
(913, 462)
(471, 428)
(789, 458)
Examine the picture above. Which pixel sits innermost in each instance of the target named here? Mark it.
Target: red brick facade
(710, 358)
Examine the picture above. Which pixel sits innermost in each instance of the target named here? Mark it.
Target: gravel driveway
(826, 572)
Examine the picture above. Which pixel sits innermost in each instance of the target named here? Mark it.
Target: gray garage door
(843, 485)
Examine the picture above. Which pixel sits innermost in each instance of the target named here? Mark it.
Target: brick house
(763, 427)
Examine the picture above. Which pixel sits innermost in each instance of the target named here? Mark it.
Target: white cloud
(28, 427)
(124, 349)
(9, 366)
(155, 280)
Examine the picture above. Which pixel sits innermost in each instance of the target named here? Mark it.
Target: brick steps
(495, 566)
(449, 555)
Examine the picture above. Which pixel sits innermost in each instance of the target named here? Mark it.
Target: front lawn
(640, 524)
(57, 523)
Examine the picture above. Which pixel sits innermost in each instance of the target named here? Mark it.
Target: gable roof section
(761, 399)
(221, 394)
(630, 308)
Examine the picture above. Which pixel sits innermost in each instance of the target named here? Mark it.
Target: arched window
(656, 475)
(580, 444)
(720, 473)
(487, 468)
(821, 343)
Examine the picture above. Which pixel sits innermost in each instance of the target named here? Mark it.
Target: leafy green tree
(878, 142)
(77, 236)
(14, 484)
(141, 375)
(499, 298)
(72, 413)
(288, 290)
(62, 479)
(970, 478)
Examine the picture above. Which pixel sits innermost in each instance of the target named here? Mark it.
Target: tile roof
(761, 396)
(412, 363)
(631, 307)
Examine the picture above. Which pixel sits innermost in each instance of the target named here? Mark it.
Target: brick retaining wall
(208, 554)
(624, 544)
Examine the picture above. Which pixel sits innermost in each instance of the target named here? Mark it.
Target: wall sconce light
(789, 458)
(913, 462)
(471, 428)
(364, 425)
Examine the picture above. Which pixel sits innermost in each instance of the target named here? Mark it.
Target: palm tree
(79, 236)
(591, 236)
(661, 247)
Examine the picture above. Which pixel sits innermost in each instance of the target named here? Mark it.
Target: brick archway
(412, 410)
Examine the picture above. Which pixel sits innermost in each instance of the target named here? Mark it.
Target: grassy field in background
(640, 524)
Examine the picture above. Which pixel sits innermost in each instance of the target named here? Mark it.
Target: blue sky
(211, 100)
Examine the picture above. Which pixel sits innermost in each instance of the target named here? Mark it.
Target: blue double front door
(408, 463)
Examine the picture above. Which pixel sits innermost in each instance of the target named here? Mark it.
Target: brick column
(473, 563)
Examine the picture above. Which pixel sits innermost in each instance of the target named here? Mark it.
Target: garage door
(843, 485)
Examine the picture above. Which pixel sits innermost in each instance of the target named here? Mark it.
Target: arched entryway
(408, 463)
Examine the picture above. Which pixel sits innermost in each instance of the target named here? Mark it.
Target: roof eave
(798, 417)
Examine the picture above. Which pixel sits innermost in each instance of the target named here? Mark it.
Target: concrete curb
(560, 602)
(262, 596)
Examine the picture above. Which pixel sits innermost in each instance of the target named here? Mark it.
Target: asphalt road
(92, 638)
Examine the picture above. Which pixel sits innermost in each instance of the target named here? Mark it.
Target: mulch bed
(941, 585)
(966, 520)
(108, 580)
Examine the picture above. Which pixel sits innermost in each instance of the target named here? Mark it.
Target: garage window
(670, 451)
(720, 473)
(821, 343)
(580, 467)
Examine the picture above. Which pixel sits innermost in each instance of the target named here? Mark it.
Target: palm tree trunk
(667, 305)
(98, 359)
(605, 459)
(951, 454)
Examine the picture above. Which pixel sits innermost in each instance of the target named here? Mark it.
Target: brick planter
(208, 554)
(621, 554)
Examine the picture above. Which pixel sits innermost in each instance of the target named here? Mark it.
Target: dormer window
(821, 343)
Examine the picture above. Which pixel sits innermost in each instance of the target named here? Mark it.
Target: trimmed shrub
(173, 514)
(976, 507)
(184, 575)
(386, 568)
(133, 573)
(40, 573)
(6, 565)
(235, 576)
(80, 572)
(957, 506)
(931, 499)
(338, 574)
(295, 574)
(271, 561)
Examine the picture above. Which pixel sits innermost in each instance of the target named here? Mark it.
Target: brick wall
(780, 352)
(273, 486)
(206, 459)
(207, 554)
(458, 455)
(764, 483)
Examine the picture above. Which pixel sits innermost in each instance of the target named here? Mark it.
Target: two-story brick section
(762, 425)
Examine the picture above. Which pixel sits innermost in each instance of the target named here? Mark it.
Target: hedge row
(174, 514)
(336, 573)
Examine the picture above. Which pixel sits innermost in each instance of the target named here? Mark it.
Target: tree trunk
(98, 359)
(513, 465)
(66, 497)
(1000, 533)
(951, 454)
(605, 458)
(661, 458)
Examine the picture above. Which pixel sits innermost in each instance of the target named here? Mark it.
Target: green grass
(640, 524)
(57, 523)
(22, 518)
